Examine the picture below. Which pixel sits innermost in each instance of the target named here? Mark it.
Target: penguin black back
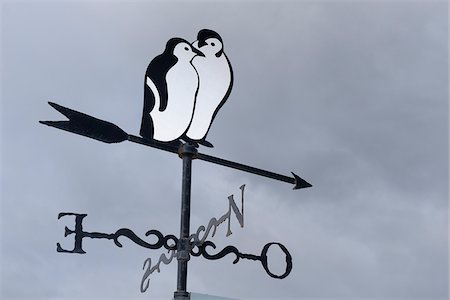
(156, 71)
(158, 67)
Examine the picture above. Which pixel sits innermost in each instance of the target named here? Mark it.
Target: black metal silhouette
(171, 86)
(215, 84)
(107, 132)
(184, 88)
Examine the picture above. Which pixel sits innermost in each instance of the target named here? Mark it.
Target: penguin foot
(188, 141)
(197, 143)
(206, 143)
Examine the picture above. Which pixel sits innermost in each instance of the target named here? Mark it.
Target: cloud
(351, 96)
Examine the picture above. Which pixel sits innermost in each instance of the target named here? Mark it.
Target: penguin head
(181, 49)
(210, 42)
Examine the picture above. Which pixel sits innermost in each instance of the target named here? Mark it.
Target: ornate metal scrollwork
(170, 242)
(162, 240)
(231, 249)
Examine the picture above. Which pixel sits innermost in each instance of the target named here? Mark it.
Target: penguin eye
(186, 48)
(212, 44)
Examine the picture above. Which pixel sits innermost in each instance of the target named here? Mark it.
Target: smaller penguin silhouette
(171, 84)
(216, 81)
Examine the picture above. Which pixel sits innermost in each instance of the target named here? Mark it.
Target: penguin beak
(201, 43)
(198, 52)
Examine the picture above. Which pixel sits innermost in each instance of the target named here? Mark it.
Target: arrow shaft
(153, 144)
(213, 159)
(245, 168)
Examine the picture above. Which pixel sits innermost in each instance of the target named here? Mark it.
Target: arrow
(88, 126)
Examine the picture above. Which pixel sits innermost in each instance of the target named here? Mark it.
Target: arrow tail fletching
(87, 126)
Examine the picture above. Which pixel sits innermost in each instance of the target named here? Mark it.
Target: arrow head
(300, 183)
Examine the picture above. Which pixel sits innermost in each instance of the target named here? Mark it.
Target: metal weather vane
(184, 88)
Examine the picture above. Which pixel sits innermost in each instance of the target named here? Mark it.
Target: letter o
(288, 260)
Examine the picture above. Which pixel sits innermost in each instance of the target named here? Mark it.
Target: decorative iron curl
(169, 241)
(231, 249)
(161, 242)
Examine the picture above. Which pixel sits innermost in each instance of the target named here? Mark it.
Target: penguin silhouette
(171, 85)
(216, 81)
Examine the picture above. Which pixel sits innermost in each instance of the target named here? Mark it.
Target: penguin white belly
(215, 78)
(182, 85)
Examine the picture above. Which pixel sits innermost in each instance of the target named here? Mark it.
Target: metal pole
(187, 152)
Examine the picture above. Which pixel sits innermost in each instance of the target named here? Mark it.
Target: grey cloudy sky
(352, 96)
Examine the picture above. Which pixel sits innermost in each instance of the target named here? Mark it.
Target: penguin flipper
(149, 104)
(152, 92)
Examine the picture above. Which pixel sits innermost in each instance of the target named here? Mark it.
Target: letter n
(239, 214)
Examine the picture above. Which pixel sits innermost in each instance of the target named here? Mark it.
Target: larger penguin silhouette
(171, 85)
(216, 81)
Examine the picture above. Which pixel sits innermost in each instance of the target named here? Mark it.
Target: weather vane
(184, 88)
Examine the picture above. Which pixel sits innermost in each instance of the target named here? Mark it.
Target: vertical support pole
(187, 152)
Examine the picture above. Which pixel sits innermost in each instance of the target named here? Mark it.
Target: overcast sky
(351, 96)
